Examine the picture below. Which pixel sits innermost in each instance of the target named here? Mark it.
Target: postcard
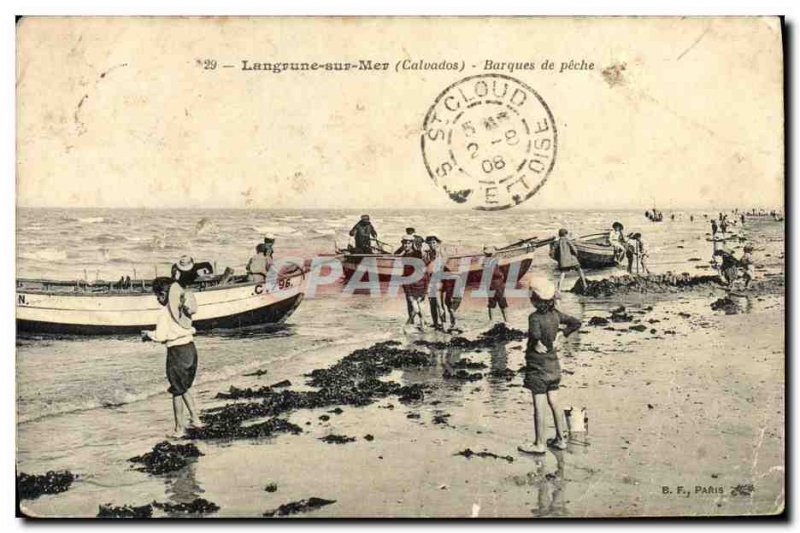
(400, 267)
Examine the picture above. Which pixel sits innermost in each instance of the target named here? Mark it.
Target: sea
(63, 381)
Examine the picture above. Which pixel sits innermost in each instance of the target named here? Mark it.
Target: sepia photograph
(400, 267)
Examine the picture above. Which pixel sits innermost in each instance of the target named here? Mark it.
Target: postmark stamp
(489, 141)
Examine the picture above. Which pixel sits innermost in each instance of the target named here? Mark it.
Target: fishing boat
(515, 258)
(104, 308)
(594, 251)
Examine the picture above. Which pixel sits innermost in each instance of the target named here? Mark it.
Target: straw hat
(407, 238)
(185, 263)
(542, 288)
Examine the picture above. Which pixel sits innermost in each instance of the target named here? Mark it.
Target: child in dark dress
(542, 368)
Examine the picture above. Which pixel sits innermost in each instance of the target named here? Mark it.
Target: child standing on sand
(542, 368)
(174, 328)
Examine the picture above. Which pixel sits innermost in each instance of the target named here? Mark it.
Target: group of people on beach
(440, 291)
(731, 269)
(545, 323)
(630, 247)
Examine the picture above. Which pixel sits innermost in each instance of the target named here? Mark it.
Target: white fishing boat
(103, 308)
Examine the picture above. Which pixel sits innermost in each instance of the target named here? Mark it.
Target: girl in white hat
(542, 368)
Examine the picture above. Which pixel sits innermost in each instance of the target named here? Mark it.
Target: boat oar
(518, 243)
(381, 245)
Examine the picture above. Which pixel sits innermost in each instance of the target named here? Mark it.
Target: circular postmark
(489, 141)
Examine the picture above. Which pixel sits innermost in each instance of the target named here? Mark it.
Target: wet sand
(694, 408)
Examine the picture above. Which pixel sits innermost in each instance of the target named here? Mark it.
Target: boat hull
(219, 308)
(387, 267)
(594, 252)
(595, 255)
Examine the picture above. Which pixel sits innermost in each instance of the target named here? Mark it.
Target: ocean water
(58, 377)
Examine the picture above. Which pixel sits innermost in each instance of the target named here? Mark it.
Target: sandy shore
(685, 418)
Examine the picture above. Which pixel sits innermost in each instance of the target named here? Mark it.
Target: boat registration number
(284, 283)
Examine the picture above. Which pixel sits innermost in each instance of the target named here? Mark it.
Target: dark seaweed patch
(656, 283)
(53, 482)
(197, 506)
(299, 507)
(125, 511)
(468, 453)
(337, 439)
(166, 457)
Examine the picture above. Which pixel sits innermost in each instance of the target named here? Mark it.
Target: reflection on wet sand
(548, 484)
(182, 486)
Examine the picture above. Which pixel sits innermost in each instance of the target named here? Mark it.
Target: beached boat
(515, 258)
(594, 251)
(101, 308)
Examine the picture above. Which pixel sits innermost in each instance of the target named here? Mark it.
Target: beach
(685, 403)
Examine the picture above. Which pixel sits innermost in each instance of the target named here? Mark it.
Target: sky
(121, 113)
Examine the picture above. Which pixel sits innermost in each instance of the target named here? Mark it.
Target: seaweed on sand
(656, 283)
(337, 439)
(223, 428)
(125, 511)
(299, 507)
(197, 506)
(497, 334)
(469, 365)
(462, 375)
(53, 482)
(166, 457)
(468, 453)
(351, 381)
(354, 380)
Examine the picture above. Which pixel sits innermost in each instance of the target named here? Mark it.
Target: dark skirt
(181, 368)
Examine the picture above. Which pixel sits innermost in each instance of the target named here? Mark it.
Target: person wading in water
(174, 329)
(435, 261)
(415, 290)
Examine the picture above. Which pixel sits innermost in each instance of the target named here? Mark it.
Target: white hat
(185, 263)
(543, 288)
(407, 238)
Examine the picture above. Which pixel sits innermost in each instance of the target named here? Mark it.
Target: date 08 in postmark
(489, 141)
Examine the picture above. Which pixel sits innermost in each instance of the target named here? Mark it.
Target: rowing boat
(515, 259)
(102, 308)
(594, 251)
